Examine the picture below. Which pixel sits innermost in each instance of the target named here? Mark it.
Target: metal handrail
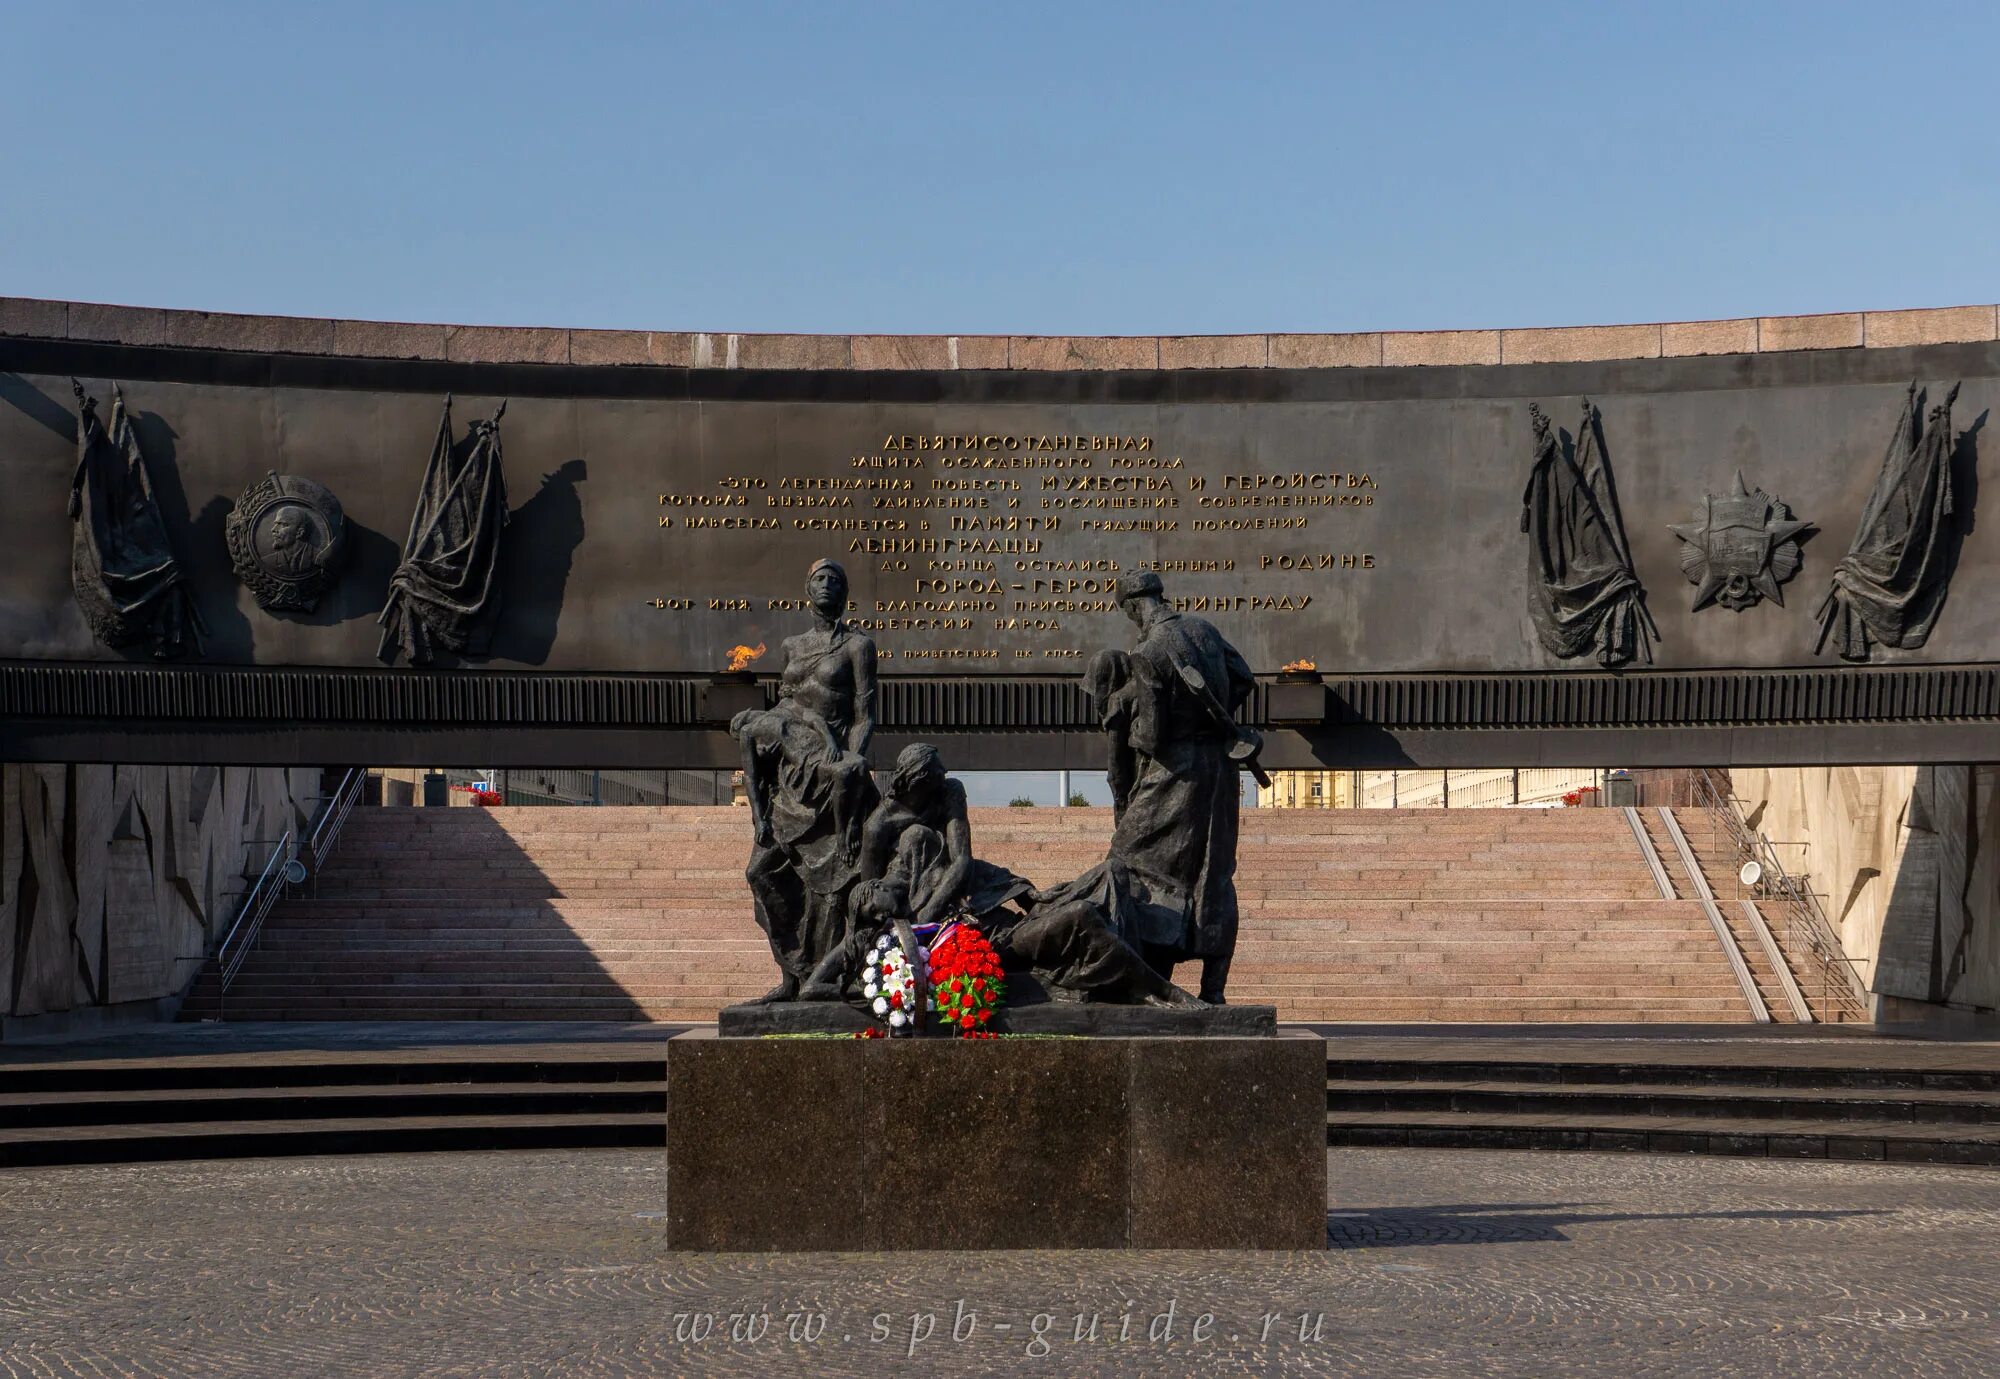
(326, 831)
(278, 873)
(1745, 982)
(1807, 928)
(256, 906)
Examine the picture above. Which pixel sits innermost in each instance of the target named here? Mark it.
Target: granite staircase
(637, 913)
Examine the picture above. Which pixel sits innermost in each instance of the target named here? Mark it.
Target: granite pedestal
(918, 1144)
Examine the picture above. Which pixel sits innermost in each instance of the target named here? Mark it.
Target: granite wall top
(126, 325)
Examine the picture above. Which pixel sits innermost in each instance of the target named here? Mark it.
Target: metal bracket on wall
(1758, 1010)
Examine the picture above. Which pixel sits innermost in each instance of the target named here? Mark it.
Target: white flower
(881, 1006)
(882, 944)
(896, 1020)
(871, 991)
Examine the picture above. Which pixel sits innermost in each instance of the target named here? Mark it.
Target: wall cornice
(154, 326)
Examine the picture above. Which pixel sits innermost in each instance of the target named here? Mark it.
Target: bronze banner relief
(1890, 586)
(128, 582)
(1585, 597)
(444, 594)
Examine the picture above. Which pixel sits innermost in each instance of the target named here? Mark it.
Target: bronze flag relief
(445, 592)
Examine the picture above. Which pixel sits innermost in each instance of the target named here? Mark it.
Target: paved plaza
(1440, 1263)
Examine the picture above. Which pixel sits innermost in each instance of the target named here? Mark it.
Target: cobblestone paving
(1441, 1263)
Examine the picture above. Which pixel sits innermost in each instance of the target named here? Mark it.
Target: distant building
(1488, 788)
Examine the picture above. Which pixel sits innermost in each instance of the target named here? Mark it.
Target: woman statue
(805, 768)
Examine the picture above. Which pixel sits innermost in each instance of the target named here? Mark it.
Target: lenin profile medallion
(287, 536)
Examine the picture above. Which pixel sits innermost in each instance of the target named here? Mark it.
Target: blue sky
(1017, 167)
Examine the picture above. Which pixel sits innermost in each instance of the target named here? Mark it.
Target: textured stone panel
(121, 325)
(1442, 347)
(507, 345)
(609, 347)
(978, 351)
(791, 352)
(1709, 337)
(388, 339)
(1835, 332)
(93, 796)
(46, 976)
(1325, 351)
(902, 352)
(1939, 326)
(1213, 351)
(759, 1156)
(1037, 1134)
(12, 845)
(1226, 1135)
(139, 963)
(677, 349)
(216, 330)
(1567, 344)
(1083, 352)
(33, 316)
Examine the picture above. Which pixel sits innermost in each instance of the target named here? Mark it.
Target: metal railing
(326, 831)
(288, 865)
(257, 903)
(1807, 931)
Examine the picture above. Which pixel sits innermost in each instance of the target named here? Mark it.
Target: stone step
(1892, 1141)
(427, 986)
(1479, 1097)
(373, 1008)
(22, 1110)
(1612, 1063)
(1583, 1009)
(230, 1139)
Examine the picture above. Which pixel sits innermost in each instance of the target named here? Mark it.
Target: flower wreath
(966, 981)
(966, 985)
(887, 983)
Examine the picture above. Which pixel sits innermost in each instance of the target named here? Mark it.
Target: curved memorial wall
(270, 539)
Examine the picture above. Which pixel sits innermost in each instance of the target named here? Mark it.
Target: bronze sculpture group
(836, 859)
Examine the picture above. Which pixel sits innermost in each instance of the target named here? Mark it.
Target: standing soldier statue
(1168, 887)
